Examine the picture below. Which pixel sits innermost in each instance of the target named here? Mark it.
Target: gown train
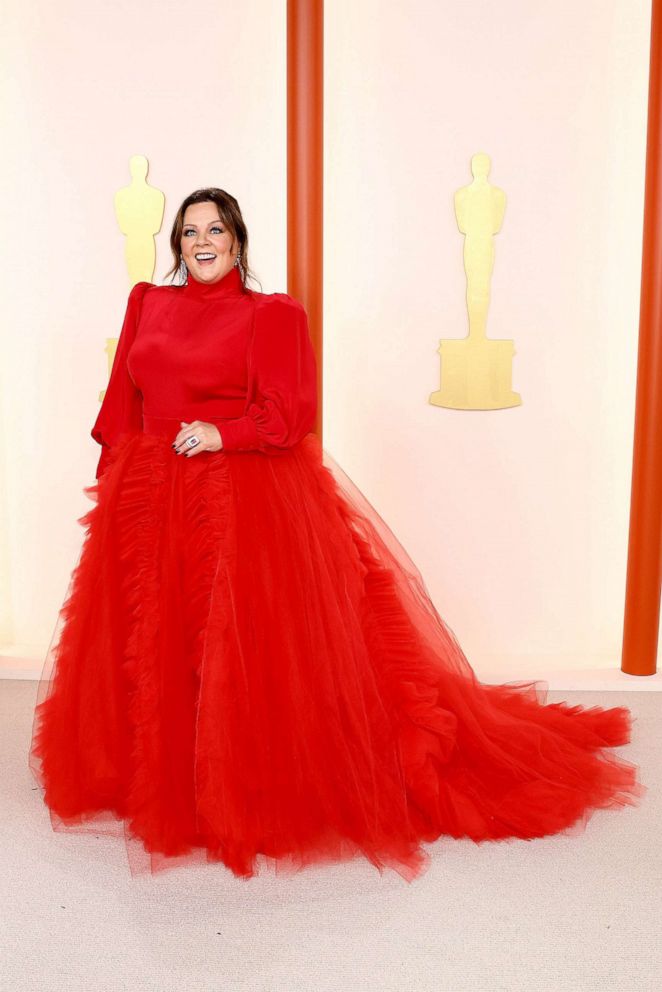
(248, 669)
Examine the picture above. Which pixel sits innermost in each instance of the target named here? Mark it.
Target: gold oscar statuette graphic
(139, 211)
(476, 371)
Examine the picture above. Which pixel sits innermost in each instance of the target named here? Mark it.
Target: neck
(228, 285)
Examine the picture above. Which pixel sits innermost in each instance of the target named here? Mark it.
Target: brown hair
(228, 212)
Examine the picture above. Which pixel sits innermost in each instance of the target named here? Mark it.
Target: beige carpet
(560, 914)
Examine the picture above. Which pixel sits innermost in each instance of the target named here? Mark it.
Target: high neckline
(229, 285)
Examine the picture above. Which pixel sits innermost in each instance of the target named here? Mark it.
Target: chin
(207, 274)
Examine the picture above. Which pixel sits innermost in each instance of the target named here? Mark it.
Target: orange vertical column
(305, 162)
(644, 566)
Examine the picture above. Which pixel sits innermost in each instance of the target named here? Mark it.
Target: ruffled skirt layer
(248, 669)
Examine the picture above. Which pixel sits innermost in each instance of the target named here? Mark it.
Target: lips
(205, 257)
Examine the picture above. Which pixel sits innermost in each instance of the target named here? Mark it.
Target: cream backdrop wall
(516, 518)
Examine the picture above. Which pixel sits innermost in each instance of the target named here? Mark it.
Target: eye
(219, 229)
(189, 231)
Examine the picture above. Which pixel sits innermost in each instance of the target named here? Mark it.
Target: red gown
(247, 667)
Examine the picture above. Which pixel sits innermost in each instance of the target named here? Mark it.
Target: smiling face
(207, 247)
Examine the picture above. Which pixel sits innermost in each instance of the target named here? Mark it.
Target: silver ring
(192, 441)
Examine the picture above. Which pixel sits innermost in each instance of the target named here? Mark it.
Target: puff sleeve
(121, 408)
(282, 380)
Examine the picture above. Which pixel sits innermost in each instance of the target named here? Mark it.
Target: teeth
(204, 255)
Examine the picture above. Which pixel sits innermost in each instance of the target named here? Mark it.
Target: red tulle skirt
(248, 669)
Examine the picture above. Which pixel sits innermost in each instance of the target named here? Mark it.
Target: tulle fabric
(248, 669)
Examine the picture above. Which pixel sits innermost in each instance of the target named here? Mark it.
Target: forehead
(201, 213)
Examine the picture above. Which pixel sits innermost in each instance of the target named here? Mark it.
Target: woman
(248, 666)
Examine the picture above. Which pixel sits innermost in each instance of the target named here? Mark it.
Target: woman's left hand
(207, 434)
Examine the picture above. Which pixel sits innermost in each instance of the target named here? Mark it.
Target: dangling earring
(183, 271)
(236, 262)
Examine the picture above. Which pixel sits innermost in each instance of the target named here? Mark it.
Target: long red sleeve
(282, 380)
(121, 409)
